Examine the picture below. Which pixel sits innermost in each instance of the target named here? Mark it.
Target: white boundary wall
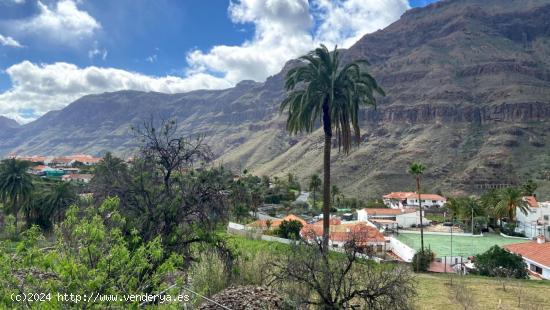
(402, 250)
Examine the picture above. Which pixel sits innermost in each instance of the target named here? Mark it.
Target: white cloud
(96, 51)
(152, 58)
(63, 22)
(284, 29)
(345, 22)
(9, 41)
(45, 87)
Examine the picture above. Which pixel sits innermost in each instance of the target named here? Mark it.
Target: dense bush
(422, 259)
(497, 262)
(289, 229)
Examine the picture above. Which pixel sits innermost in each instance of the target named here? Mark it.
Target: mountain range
(468, 84)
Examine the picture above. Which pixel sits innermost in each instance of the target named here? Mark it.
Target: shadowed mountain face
(7, 123)
(468, 85)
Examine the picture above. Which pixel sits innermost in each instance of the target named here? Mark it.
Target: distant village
(381, 231)
(72, 168)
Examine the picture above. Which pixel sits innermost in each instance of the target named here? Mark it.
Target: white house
(535, 254)
(536, 221)
(399, 200)
(391, 217)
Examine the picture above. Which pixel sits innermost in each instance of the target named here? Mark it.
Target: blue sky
(54, 51)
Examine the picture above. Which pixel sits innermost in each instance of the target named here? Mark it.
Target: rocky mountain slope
(468, 85)
(7, 123)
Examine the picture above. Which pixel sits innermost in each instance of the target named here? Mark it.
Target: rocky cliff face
(468, 85)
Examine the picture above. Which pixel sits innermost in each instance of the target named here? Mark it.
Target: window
(535, 268)
(379, 248)
(335, 245)
(546, 217)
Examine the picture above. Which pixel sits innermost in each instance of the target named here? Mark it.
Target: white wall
(527, 224)
(545, 270)
(425, 202)
(402, 250)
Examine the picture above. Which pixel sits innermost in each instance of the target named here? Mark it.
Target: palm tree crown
(15, 184)
(508, 200)
(322, 81)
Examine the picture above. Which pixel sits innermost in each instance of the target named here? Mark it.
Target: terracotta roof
(405, 195)
(439, 267)
(387, 211)
(532, 201)
(537, 252)
(362, 232)
(275, 223)
(39, 167)
(332, 221)
(292, 217)
(398, 195)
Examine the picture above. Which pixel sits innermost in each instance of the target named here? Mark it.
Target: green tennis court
(461, 245)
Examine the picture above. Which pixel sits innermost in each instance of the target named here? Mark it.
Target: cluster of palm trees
(496, 204)
(41, 202)
(322, 91)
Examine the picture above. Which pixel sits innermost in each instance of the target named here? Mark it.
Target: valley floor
(435, 291)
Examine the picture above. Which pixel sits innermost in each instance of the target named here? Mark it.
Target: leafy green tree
(529, 188)
(320, 88)
(15, 185)
(510, 199)
(497, 262)
(417, 169)
(422, 259)
(315, 184)
(289, 229)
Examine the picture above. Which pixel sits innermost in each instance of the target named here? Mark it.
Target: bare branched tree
(163, 144)
(343, 280)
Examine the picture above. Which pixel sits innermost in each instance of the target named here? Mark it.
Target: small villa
(386, 217)
(535, 254)
(401, 200)
(365, 236)
(273, 224)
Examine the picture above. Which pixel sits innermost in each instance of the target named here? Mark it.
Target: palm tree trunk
(421, 224)
(327, 128)
(16, 211)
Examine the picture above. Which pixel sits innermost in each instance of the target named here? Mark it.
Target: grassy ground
(461, 246)
(435, 291)
(475, 292)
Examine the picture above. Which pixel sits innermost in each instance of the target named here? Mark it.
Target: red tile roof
(537, 252)
(405, 195)
(361, 232)
(275, 223)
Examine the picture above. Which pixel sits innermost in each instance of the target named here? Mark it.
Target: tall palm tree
(417, 169)
(321, 89)
(510, 199)
(15, 184)
(314, 186)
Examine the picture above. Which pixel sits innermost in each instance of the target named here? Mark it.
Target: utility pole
(472, 220)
